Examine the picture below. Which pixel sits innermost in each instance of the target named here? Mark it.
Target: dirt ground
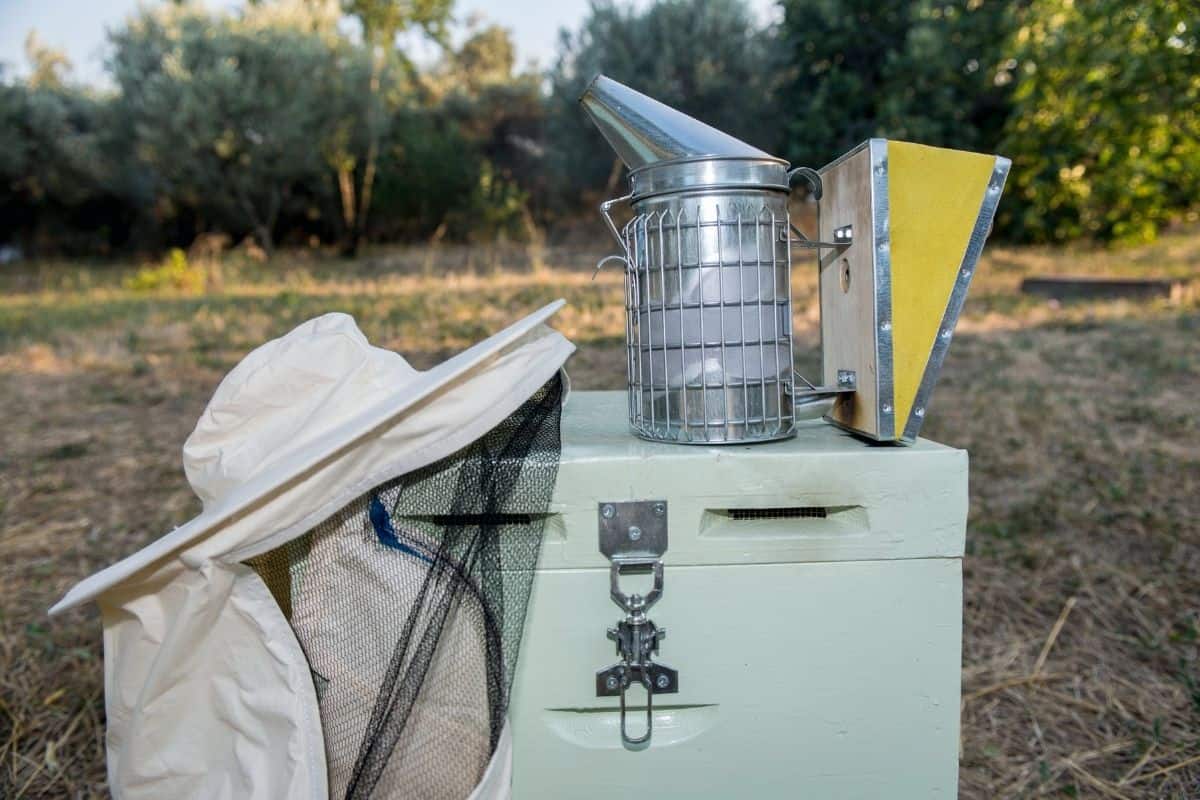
(1082, 618)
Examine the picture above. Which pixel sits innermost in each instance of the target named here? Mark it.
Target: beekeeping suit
(245, 650)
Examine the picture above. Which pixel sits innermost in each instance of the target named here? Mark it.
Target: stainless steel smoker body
(708, 275)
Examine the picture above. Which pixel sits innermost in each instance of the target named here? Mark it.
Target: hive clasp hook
(633, 536)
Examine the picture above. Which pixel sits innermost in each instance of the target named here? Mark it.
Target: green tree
(708, 58)
(456, 144)
(233, 118)
(1105, 135)
(934, 71)
(48, 67)
(56, 177)
(499, 112)
(381, 22)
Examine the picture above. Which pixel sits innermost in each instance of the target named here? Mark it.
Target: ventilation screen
(409, 604)
(789, 512)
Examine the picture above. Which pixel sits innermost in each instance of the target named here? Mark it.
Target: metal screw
(920, 412)
(662, 682)
(635, 533)
(607, 511)
(945, 334)
(611, 682)
(885, 326)
(887, 408)
(659, 509)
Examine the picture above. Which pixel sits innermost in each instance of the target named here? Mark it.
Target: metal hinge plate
(634, 532)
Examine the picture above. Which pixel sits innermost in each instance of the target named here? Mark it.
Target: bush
(173, 272)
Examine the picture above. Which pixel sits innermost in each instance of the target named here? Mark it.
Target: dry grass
(1083, 570)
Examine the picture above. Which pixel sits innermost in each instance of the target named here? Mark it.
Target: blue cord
(386, 533)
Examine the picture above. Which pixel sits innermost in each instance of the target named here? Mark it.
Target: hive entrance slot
(775, 523)
(784, 512)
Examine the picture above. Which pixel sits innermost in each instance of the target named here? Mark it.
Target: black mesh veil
(409, 604)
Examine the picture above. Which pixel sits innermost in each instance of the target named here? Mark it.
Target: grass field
(1080, 668)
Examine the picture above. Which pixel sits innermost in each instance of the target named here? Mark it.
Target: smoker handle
(809, 174)
(624, 256)
(842, 238)
(816, 397)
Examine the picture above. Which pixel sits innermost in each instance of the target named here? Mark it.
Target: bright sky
(78, 26)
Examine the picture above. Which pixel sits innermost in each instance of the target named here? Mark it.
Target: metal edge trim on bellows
(857, 433)
(844, 156)
(882, 259)
(962, 282)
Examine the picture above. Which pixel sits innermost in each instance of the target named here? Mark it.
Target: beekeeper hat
(295, 410)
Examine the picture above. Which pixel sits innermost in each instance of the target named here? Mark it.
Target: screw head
(662, 682)
(635, 533)
(607, 511)
(611, 682)
(660, 509)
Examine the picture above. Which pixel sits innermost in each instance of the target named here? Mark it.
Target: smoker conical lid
(644, 131)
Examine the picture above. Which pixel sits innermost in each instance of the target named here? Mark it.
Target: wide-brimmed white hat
(299, 402)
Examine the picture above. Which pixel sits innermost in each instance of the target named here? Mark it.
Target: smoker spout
(644, 131)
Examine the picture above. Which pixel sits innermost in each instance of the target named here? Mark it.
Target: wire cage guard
(708, 318)
(707, 255)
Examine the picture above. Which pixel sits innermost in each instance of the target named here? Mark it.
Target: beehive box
(813, 596)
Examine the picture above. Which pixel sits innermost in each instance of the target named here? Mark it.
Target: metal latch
(633, 536)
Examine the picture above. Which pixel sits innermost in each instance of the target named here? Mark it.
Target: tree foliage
(453, 165)
(934, 71)
(381, 21)
(1105, 130)
(234, 119)
(57, 176)
(302, 120)
(48, 68)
